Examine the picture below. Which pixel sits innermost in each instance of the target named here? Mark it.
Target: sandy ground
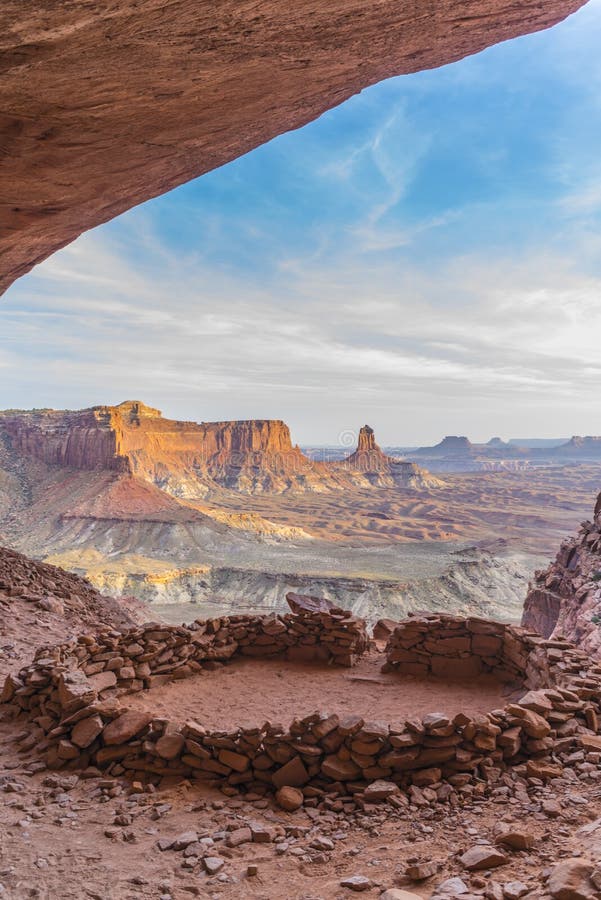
(250, 692)
(531, 510)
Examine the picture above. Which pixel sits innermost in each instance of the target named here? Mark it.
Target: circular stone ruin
(106, 701)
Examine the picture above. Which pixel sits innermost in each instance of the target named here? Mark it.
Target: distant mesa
(451, 445)
(589, 446)
(497, 443)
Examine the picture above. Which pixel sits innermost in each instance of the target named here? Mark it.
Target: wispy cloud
(425, 258)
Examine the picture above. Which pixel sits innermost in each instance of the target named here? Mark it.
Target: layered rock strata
(188, 459)
(69, 697)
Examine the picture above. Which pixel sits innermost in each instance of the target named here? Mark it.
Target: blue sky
(425, 258)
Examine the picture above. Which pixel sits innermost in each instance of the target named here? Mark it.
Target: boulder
(169, 746)
(340, 769)
(569, 880)
(75, 690)
(356, 883)
(289, 798)
(293, 773)
(102, 681)
(380, 790)
(236, 761)
(543, 769)
(126, 726)
(515, 839)
(86, 731)
(482, 856)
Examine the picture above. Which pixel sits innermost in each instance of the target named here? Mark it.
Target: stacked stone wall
(69, 696)
(459, 648)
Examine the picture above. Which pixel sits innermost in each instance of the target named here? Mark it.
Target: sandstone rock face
(189, 459)
(81, 440)
(565, 599)
(367, 440)
(181, 457)
(104, 107)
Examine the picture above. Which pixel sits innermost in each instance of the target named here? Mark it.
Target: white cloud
(322, 346)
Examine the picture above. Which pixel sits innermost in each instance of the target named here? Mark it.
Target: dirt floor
(250, 692)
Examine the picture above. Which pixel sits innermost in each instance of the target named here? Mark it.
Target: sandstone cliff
(79, 440)
(184, 458)
(190, 460)
(565, 599)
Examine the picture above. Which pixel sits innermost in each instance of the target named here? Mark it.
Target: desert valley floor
(472, 544)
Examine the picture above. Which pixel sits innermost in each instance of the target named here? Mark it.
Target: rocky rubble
(511, 825)
(50, 589)
(194, 843)
(68, 693)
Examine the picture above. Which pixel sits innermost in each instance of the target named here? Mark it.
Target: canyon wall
(189, 459)
(135, 438)
(79, 440)
(484, 586)
(104, 106)
(564, 600)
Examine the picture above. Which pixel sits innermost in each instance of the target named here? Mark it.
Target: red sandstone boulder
(482, 857)
(292, 774)
(383, 629)
(169, 746)
(236, 761)
(301, 603)
(570, 881)
(380, 790)
(340, 769)
(543, 769)
(289, 798)
(532, 723)
(127, 726)
(516, 840)
(74, 690)
(102, 681)
(86, 731)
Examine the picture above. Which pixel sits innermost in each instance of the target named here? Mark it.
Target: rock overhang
(105, 108)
